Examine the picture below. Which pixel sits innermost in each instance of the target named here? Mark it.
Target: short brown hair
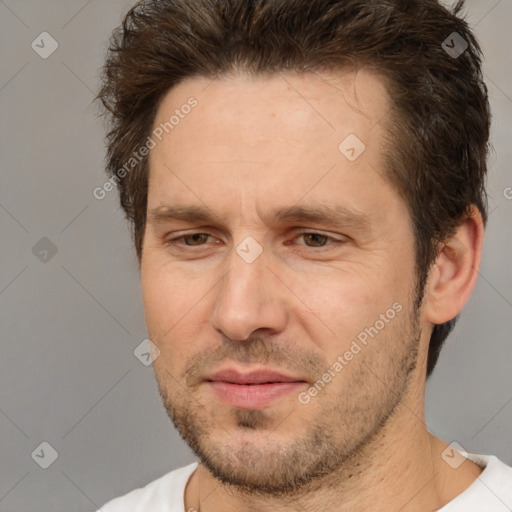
(437, 131)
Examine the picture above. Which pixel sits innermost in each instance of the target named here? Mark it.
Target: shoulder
(491, 491)
(165, 494)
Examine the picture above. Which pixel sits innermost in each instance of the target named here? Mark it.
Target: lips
(254, 377)
(252, 390)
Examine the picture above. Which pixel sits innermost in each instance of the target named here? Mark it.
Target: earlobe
(455, 271)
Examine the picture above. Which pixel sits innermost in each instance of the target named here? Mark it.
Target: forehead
(329, 100)
(267, 136)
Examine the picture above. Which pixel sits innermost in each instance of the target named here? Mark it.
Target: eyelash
(173, 242)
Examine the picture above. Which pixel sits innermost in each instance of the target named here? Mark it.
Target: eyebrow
(322, 214)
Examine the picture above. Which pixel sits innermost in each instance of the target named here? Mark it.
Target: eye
(313, 240)
(195, 237)
(316, 240)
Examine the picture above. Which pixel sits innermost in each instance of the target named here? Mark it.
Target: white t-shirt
(490, 492)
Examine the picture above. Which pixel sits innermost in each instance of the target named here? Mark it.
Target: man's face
(247, 292)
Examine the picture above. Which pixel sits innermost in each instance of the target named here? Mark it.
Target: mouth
(253, 390)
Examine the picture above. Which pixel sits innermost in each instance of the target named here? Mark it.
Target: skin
(249, 146)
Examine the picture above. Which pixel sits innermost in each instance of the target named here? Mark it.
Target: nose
(250, 297)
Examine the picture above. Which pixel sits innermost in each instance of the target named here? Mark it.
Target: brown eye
(197, 240)
(196, 237)
(317, 239)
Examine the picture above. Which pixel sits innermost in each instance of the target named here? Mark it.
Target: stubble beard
(336, 444)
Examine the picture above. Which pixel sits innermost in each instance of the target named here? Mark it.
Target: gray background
(69, 326)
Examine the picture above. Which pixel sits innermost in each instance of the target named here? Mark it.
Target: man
(305, 182)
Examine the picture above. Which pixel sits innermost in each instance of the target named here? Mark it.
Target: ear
(454, 273)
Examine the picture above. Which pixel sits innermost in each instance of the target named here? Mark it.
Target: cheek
(339, 307)
(163, 300)
(174, 309)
